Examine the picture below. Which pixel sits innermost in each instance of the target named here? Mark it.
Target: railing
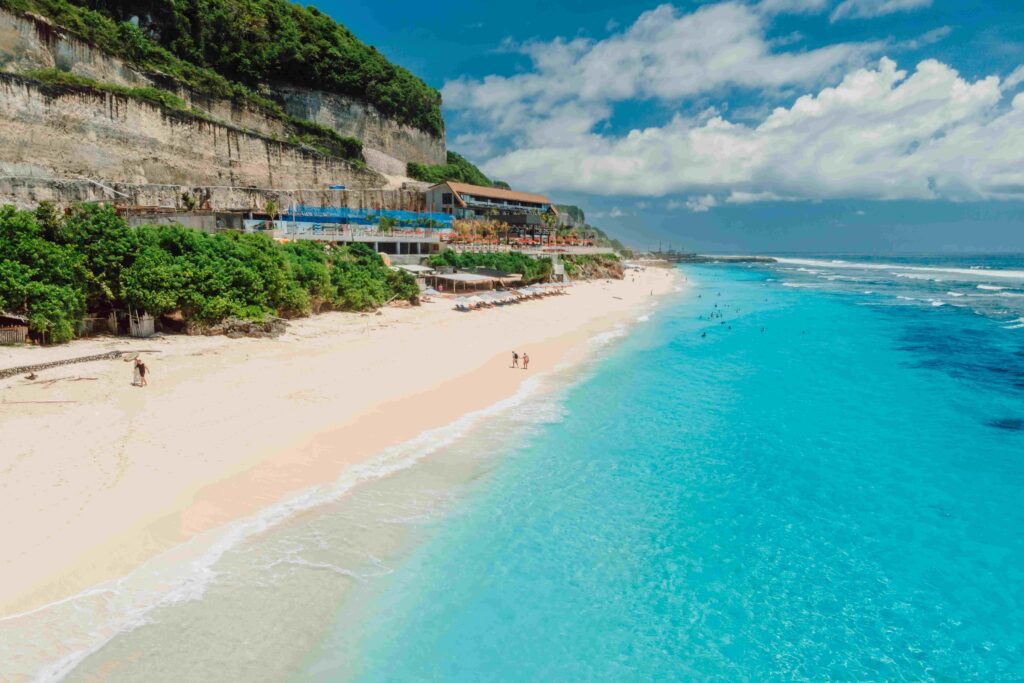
(345, 233)
(344, 215)
(545, 250)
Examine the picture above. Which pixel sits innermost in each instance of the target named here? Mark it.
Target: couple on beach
(515, 360)
(139, 374)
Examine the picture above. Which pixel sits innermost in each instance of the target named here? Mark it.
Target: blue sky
(766, 125)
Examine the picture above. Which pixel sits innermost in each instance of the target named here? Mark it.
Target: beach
(101, 475)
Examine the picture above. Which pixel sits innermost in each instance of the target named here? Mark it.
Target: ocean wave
(611, 335)
(954, 294)
(914, 276)
(991, 288)
(974, 273)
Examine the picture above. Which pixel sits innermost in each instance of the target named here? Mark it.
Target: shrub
(54, 270)
(532, 269)
(457, 169)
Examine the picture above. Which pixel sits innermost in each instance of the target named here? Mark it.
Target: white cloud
(792, 6)
(701, 204)
(879, 134)
(928, 38)
(1014, 79)
(615, 212)
(875, 132)
(740, 197)
(865, 9)
(665, 56)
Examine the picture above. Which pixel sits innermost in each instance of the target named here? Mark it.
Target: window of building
(446, 198)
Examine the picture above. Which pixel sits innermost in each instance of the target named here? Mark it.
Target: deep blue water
(826, 483)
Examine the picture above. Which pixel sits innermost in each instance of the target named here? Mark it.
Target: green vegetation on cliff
(155, 96)
(232, 48)
(532, 269)
(600, 237)
(56, 270)
(458, 169)
(574, 211)
(593, 266)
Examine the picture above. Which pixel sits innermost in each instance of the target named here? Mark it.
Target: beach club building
(475, 202)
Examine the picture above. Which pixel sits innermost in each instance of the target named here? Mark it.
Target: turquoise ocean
(808, 470)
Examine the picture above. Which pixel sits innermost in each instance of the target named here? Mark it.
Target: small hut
(13, 328)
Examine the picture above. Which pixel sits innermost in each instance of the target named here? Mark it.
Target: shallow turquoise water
(837, 496)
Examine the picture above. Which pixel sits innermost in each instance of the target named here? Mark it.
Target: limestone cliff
(62, 134)
(359, 120)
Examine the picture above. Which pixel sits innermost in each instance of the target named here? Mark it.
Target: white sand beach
(98, 475)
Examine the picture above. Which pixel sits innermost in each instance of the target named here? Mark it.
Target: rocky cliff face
(52, 133)
(360, 120)
(26, 192)
(61, 132)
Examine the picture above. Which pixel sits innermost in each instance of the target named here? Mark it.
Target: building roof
(494, 193)
(12, 316)
(464, 277)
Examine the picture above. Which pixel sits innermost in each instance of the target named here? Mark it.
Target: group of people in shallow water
(515, 360)
(720, 313)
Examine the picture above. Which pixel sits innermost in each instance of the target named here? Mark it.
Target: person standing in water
(526, 361)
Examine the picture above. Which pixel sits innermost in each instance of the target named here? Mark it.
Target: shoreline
(238, 462)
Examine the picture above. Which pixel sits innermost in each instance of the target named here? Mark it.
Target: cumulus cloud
(864, 129)
(665, 56)
(701, 204)
(1014, 79)
(881, 133)
(865, 9)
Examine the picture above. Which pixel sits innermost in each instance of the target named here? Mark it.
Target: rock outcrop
(65, 132)
(360, 120)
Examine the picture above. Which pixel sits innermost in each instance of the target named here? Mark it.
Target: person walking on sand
(136, 374)
(142, 372)
(515, 359)
(526, 361)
